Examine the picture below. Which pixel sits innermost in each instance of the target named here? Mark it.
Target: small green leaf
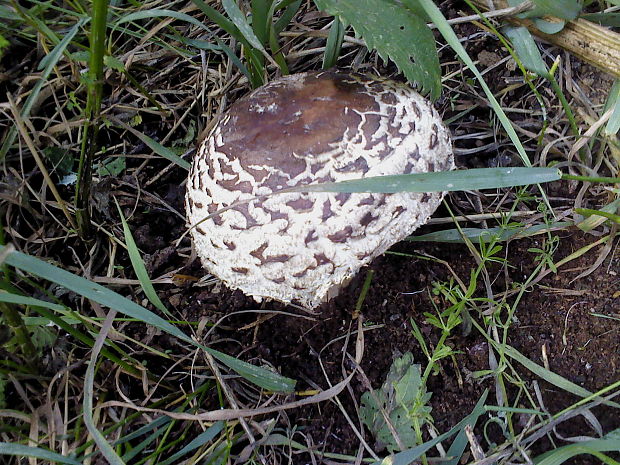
(564, 9)
(112, 166)
(82, 55)
(613, 101)
(114, 63)
(526, 49)
(403, 398)
(549, 27)
(395, 32)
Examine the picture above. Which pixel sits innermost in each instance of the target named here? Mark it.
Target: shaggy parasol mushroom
(310, 128)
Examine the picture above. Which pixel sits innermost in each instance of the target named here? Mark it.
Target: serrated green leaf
(409, 456)
(395, 32)
(409, 385)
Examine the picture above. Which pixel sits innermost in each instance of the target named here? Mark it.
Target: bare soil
(565, 323)
(568, 326)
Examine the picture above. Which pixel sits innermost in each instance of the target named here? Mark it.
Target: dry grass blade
(597, 45)
(35, 153)
(233, 414)
(104, 446)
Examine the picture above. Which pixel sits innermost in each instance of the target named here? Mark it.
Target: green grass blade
(290, 10)
(205, 45)
(240, 21)
(480, 235)
(159, 13)
(549, 376)
(446, 31)
(197, 442)
(474, 179)
(92, 291)
(156, 147)
(19, 450)
(138, 448)
(334, 44)
(613, 101)
(460, 443)
(139, 268)
(219, 19)
(50, 63)
(611, 443)
(590, 212)
(261, 19)
(259, 376)
(396, 33)
(30, 301)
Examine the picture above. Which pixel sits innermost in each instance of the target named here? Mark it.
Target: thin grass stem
(90, 130)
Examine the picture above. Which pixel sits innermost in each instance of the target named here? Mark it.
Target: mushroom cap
(308, 128)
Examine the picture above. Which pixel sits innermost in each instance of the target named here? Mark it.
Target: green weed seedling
(397, 412)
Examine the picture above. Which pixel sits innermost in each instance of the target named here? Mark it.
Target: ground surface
(567, 321)
(567, 326)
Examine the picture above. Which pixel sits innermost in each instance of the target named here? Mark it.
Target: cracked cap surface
(307, 128)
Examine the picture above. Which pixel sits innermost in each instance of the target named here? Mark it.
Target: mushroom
(310, 128)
